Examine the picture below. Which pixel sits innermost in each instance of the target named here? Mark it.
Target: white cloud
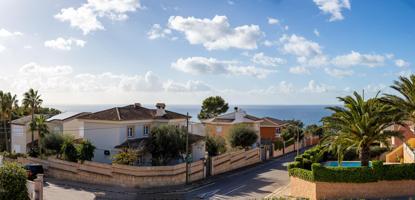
(2, 48)
(86, 17)
(339, 73)
(299, 70)
(27, 47)
(316, 32)
(157, 31)
(314, 87)
(300, 46)
(63, 79)
(189, 86)
(282, 87)
(216, 33)
(355, 59)
(230, 2)
(333, 7)
(402, 63)
(261, 59)
(202, 65)
(374, 88)
(64, 44)
(5, 33)
(269, 43)
(273, 21)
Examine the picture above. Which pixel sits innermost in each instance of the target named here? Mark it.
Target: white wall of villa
(18, 138)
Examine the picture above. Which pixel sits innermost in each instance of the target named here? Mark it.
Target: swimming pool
(344, 164)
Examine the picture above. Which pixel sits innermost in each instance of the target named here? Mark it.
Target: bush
(302, 174)
(278, 145)
(215, 145)
(53, 143)
(69, 152)
(128, 157)
(85, 150)
(343, 174)
(242, 135)
(13, 182)
(13, 155)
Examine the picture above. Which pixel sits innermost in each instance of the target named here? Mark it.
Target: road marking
(275, 192)
(235, 189)
(210, 193)
(201, 187)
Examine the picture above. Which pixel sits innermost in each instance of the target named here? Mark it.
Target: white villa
(113, 129)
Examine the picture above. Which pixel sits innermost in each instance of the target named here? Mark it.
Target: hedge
(353, 174)
(302, 174)
(13, 182)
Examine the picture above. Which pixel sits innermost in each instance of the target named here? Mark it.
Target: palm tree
(361, 123)
(41, 127)
(32, 101)
(8, 103)
(406, 102)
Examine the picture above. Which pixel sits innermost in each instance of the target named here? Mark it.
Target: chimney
(239, 115)
(236, 108)
(137, 105)
(160, 109)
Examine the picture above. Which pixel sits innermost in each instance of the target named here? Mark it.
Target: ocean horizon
(309, 114)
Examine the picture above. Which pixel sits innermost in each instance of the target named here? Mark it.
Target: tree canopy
(215, 145)
(360, 123)
(242, 135)
(212, 107)
(166, 143)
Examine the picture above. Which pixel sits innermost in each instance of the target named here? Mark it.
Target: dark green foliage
(166, 143)
(314, 130)
(212, 107)
(302, 174)
(34, 151)
(85, 150)
(128, 157)
(69, 152)
(215, 145)
(343, 174)
(52, 143)
(394, 172)
(278, 145)
(242, 135)
(13, 182)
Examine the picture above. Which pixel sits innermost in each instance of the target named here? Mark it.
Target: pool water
(344, 164)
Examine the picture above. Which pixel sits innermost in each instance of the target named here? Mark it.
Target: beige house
(221, 124)
(21, 136)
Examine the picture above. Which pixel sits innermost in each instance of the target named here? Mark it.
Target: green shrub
(278, 145)
(242, 135)
(343, 174)
(215, 145)
(301, 173)
(85, 150)
(298, 159)
(13, 155)
(128, 157)
(69, 152)
(13, 182)
(52, 143)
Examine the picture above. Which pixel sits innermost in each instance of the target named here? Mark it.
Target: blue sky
(181, 51)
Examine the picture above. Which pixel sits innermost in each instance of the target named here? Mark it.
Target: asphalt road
(251, 183)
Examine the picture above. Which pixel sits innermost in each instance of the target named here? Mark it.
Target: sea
(308, 114)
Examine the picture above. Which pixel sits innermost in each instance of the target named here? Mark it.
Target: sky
(256, 52)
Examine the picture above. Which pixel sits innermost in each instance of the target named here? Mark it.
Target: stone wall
(120, 175)
(234, 160)
(324, 190)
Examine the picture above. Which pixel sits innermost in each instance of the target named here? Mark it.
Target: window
(130, 132)
(277, 132)
(146, 130)
(218, 129)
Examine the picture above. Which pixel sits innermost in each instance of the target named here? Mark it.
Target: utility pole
(298, 141)
(187, 148)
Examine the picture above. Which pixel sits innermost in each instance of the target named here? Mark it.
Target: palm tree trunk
(364, 156)
(5, 135)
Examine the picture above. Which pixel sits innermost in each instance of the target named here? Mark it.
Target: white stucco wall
(73, 127)
(18, 138)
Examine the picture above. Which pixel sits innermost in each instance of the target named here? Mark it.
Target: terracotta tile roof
(130, 112)
(275, 121)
